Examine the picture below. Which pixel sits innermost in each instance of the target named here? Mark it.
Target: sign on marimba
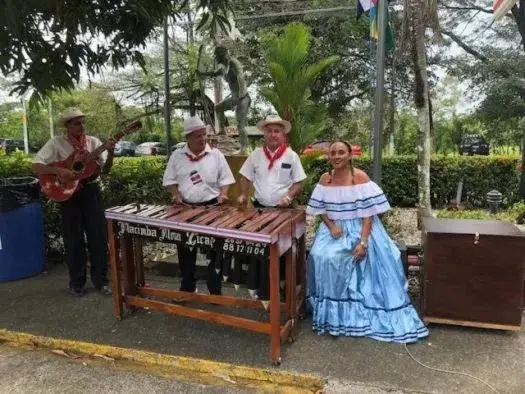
(203, 242)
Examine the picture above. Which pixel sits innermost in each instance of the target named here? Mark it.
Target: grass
(513, 214)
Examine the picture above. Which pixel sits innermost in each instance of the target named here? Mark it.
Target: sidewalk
(42, 306)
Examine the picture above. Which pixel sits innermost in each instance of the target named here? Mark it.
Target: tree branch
(464, 46)
(519, 17)
(467, 8)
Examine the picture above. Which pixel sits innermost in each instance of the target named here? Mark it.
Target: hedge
(140, 180)
(399, 179)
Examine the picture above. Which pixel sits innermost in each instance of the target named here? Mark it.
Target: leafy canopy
(48, 42)
(286, 56)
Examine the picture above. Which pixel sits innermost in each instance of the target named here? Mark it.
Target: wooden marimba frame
(270, 232)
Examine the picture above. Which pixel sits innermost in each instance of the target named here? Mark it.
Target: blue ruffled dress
(366, 298)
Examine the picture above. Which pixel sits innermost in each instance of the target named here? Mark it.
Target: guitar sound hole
(77, 166)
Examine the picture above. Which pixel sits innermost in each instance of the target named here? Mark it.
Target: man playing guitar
(84, 211)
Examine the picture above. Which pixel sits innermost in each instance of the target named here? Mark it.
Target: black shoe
(77, 292)
(105, 290)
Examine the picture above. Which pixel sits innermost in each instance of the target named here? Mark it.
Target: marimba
(262, 232)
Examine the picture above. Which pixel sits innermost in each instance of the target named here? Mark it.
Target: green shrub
(399, 180)
(136, 180)
(514, 214)
(130, 180)
(140, 180)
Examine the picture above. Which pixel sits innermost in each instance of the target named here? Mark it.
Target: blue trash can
(22, 245)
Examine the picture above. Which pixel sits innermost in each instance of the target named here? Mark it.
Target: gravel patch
(401, 224)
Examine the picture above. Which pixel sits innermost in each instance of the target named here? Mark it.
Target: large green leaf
(291, 75)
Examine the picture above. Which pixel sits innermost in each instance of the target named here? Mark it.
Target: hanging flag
(374, 31)
(362, 7)
(501, 7)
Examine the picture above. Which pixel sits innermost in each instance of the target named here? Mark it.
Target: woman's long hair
(350, 161)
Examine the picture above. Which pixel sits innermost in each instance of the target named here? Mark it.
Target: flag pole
(380, 87)
(24, 126)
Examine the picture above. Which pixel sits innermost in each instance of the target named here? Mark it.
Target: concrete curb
(184, 368)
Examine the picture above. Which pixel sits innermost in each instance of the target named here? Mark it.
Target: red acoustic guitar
(83, 166)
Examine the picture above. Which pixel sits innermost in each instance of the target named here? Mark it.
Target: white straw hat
(274, 119)
(192, 124)
(71, 113)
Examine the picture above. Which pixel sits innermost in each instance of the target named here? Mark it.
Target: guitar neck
(136, 125)
(97, 152)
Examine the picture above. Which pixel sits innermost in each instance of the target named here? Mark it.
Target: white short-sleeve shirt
(272, 185)
(59, 148)
(198, 181)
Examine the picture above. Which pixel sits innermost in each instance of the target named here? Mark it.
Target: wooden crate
(474, 273)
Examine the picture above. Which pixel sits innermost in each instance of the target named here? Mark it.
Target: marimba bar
(258, 232)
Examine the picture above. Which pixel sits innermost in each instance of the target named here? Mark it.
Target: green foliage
(215, 16)
(131, 180)
(406, 133)
(97, 103)
(49, 41)
(104, 118)
(136, 180)
(480, 175)
(15, 165)
(333, 33)
(57, 38)
(514, 214)
(286, 57)
(10, 121)
(140, 180)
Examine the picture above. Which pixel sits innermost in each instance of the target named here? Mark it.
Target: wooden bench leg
(275, 330)
(114, 261)
(129, 283)
(301, 273)
(291, 287)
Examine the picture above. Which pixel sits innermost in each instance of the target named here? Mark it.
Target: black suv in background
(473, 145)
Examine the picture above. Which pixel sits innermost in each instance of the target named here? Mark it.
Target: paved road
(40, 305)
(36, 371)
(29, 371)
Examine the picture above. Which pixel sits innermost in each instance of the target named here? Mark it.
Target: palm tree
(286, 56)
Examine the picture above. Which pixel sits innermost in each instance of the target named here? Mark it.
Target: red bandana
(79, 144)
(196, 158)
(276, 154)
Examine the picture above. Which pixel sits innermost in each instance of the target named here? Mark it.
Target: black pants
(258, 276)
(83, 214)
(188, 268)
(187, 257)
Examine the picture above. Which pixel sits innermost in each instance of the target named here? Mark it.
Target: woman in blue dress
(355, 281)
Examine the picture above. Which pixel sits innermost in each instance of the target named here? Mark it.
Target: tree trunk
(522, 180)
(519, 17)
(191, 91)
(392, 107)
(423, 115)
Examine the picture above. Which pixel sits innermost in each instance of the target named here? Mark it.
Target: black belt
(257, 204)
(213, 201)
